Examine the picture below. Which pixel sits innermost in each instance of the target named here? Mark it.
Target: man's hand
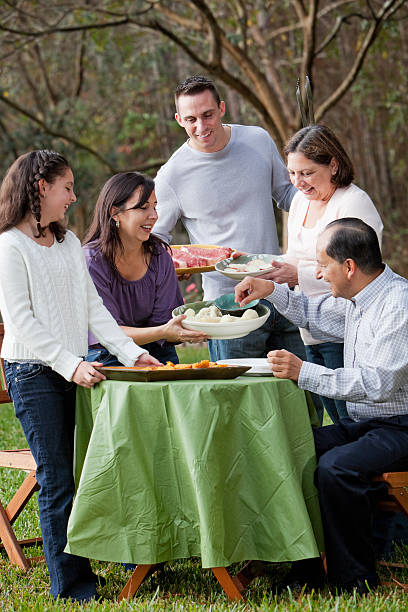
(252, 289)
(284, 364)
(147, 360)
(86, 376)
(282, 273)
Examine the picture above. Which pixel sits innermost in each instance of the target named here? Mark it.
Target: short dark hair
(194, 85)
(103, 232)
(319, 144)
(354, 239)
(19, 191)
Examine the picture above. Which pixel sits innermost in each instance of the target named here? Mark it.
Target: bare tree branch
(51, 132)
(32, 86)
(388, 8)
(53, 96)
(215, 32)
(79, 66)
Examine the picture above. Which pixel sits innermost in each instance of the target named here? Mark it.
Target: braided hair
(19, 191)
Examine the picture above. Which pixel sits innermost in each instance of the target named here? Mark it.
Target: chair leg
(21, 497)
(10, 542)
(134, 582)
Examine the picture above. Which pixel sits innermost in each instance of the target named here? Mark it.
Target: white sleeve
(18, 316)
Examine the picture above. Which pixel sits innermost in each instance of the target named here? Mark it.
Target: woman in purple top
(132, 269)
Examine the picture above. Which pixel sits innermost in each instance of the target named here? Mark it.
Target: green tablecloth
(222, 470)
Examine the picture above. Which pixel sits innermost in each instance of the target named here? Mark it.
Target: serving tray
(141, 375)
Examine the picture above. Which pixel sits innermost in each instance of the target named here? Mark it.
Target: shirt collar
(366, 296)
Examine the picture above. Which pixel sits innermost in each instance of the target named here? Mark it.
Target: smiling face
(201, 117)
(137, 223)
(311, 178)
(56, 197)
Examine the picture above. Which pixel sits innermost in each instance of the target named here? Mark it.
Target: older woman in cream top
(322, 172)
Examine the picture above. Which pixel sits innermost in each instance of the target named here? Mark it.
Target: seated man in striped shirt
(368, 308)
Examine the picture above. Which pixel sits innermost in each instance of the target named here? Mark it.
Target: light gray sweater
(225, 198)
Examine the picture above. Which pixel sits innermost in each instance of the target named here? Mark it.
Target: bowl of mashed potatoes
(206, 317)
(247, 265)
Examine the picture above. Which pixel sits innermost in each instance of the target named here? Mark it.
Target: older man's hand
(252, 289)
(284, 364)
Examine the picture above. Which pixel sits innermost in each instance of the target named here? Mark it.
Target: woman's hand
(252, 289)
(86, 376)
(175, 332)
(147, 360)
(283, 273)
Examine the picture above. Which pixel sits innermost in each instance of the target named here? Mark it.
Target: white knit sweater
(48, 301)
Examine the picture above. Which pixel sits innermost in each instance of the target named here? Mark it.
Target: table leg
(227, 582)
(136, 579)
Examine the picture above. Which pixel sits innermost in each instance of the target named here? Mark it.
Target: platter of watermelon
(191, 258)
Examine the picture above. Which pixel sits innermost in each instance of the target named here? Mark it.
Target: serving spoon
(227, 304)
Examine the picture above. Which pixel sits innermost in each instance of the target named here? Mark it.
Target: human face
(200, 116)
(137, 223)
(312, 179)
(56, 197)
(333, 272)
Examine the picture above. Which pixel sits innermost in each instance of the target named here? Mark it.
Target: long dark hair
(19, 191)
(319, 144)
(103, 232)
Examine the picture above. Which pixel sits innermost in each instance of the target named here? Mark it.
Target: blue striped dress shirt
(374, 327)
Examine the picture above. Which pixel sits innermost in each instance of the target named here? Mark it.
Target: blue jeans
(276, 333)
(44, 403)
(163, 353)
(330, 355)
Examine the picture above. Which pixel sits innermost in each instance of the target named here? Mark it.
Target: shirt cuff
(279, 296)
(128, 359)
(66, 364)
(310, 376)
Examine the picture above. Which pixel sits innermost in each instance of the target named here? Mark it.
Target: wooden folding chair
(20, 459)
(397, 489)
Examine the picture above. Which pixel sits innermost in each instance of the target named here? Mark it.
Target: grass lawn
(182, 585)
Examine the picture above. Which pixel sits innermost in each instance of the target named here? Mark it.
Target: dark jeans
(44, 403)
(349, 454)
(330, 355)
(276, 333)
(165, 352)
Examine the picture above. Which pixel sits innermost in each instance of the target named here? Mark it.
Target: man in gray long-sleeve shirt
(373, 322)
(221, 183)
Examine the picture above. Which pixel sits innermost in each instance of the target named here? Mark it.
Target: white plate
(259, 366)
(244, 259)
(222, 331)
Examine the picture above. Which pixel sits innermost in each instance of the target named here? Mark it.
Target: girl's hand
(175, 332)
(147, 360)
(282, 273)
(252, 289)
(86, 376)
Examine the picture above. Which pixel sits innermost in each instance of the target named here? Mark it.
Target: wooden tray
(181, 271)
(140, 375)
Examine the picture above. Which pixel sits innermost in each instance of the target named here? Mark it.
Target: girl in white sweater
(48, 302)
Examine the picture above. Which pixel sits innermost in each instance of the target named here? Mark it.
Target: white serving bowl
(244, 259)
(222, 331)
